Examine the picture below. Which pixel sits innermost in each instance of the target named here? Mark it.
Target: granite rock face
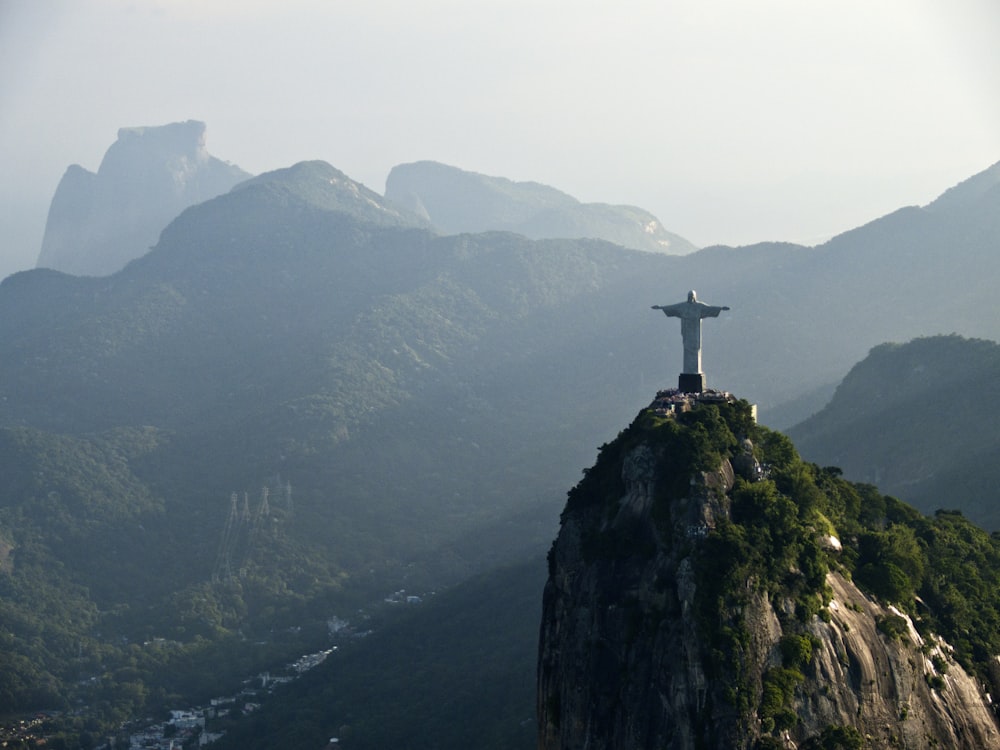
(457, 201)
(626, 661)
(99, 222)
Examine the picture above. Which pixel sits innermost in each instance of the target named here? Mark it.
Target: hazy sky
(732, 121)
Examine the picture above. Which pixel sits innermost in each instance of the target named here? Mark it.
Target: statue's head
(692, 297)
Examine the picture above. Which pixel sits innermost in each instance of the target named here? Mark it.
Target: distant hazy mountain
(99, 222)
(458, 201)
(919, 420)
(800, 316)
(317, 185)
(982, 187)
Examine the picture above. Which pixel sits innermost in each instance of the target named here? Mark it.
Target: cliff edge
(708, 589)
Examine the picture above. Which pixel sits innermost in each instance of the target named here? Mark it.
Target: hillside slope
(917, 419)
(457, 671)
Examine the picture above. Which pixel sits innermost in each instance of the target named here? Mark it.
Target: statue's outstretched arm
(711, 311)
(671, 310)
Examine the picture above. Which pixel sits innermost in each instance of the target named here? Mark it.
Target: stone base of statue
(691, 382)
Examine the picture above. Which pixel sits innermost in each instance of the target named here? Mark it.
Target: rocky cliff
(99, 221)
(699, 597)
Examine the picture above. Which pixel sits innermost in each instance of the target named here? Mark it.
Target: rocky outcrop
(458, 201)
(99, 222)
(899, 691)
(628, 657)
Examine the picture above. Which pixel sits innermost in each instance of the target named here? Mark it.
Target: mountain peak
(184, 140)
(458, 201)
(708, 589)
(320, 185)
(99, 222)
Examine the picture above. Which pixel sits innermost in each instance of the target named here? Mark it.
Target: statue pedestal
(691, 382)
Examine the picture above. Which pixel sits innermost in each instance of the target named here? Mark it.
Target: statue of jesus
(691, 313)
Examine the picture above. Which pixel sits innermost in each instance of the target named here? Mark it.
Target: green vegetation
(417, 681)
(429, 398)
(271, 336)
(85, 644)
(82, 620)
(898, 439)
(836, 738)
(893, 626)
(796, 651)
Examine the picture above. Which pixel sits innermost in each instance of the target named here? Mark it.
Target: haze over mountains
(854, 292)
(428, 397)
(458, 201)
(98, 222)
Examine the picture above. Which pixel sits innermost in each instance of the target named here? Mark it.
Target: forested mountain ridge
(417, 392)
(788, 298)
(267, 335)
(918, 420)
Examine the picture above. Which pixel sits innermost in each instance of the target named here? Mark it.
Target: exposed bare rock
(99, 222)
(884, 684)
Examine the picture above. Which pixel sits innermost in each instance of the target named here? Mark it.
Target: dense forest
(917, 419)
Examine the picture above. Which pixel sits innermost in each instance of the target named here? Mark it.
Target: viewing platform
(673, 401)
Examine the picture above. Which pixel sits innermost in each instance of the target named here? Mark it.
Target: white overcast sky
(733, 121)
